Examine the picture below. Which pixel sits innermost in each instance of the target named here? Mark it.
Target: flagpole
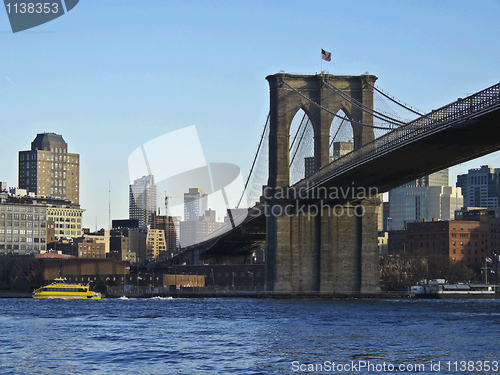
(321, 58)
(485, 270)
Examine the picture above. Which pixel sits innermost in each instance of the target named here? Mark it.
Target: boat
(59, 289)
(439, 288)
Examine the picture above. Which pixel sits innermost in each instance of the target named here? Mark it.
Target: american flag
(488, 259)
(327, 56)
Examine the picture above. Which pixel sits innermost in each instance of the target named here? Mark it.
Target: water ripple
(238, 336)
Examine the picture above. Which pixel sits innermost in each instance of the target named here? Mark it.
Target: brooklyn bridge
(330, 147)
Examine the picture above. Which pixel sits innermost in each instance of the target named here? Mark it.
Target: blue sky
(111, 75)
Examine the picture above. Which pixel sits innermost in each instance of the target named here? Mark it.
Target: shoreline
(279, 295)
(15, 295)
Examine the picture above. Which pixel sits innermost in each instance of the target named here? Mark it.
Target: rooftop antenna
(109, 206)
(166, 204)
(167, 223)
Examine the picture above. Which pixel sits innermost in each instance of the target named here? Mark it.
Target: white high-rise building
(142, 201)
(481, 187)
(428, 198)
(195, 204)
(193, 232)
(411, 204)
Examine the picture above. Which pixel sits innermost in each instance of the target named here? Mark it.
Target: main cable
(334, 114)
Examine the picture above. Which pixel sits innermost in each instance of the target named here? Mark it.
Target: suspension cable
(396, 101)
(297, 132)
(379, 115)
(254, 159)
(300, 141)
(338, 130)
(334, 114)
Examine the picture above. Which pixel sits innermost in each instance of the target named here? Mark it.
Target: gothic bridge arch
(285, 103)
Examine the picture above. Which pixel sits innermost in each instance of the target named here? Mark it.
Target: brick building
(467, 241)
(247, 275)
(82, 270)
(90, 248)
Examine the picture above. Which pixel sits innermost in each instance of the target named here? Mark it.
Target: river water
(248, 336)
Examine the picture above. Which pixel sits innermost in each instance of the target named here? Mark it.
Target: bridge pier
(307, 251)
(349, 249)
(322, 248)
(297, 257)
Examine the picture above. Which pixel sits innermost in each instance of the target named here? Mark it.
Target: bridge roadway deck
(243, 239)
(414, 157)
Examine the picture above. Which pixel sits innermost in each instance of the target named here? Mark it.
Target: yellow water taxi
(59, 289)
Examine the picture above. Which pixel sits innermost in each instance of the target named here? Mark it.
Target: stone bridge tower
(322, 253)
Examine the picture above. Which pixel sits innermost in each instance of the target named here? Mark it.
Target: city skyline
(102, 75)
(172, 97)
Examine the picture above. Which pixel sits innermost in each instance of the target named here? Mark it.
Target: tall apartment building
(195, 204)
(142, 201)
(49, 170)
(171, 226)
(156, 245)
(413, 204)
(428, 198)
(193, 232)
(480, 187)
(440, 178)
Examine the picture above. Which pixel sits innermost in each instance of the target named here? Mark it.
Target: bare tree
(17, 268)
(403, 270)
